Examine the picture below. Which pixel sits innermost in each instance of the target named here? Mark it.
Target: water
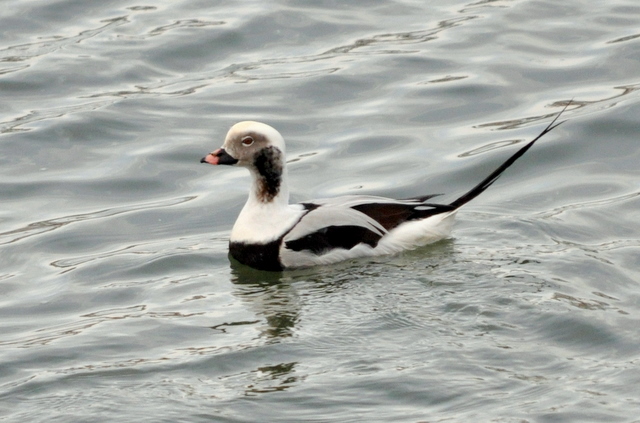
(118, 301)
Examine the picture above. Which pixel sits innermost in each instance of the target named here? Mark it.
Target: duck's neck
(270, 189)
(269, 177)
(264, 217)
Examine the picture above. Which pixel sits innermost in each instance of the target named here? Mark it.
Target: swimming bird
(271, 234)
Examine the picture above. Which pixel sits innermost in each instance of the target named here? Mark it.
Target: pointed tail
(486, 183)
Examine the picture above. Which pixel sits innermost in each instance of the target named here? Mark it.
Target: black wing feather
(390, 215)
(331, 237)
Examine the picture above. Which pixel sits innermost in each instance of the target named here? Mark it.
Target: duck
(272, 235)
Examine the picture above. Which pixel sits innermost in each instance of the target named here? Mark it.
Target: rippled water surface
(117, 298)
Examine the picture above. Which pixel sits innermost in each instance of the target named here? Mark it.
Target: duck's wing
(346, 222)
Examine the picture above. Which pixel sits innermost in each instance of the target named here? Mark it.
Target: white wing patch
(332, 215)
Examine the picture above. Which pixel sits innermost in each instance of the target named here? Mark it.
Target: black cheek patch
(268, 163)
(332, 237)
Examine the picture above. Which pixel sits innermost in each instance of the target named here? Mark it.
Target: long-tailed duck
(271, 234)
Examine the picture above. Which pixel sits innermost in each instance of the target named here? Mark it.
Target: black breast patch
(258, 256)
(331, 237)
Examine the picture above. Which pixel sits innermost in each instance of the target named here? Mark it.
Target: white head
(258, 147)
(245, 139)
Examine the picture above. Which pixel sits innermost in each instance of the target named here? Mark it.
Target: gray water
(118, 301)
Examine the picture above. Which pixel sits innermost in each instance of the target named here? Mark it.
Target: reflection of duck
(268, 296)
(271, 234)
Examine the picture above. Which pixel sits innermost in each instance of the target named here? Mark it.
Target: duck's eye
(247, 141)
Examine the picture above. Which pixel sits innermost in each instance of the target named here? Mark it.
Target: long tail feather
(486, 183)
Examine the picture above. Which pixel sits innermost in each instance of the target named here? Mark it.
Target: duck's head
(256, 146)
(246, 143)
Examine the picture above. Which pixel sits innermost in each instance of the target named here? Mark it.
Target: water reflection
(269, 295)
(184, 23)
(576, 104)
(274, 300)
(280, 297)
(40, 227)
(272, 379)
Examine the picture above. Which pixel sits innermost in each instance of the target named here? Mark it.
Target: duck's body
(332, 230)
(271, 234)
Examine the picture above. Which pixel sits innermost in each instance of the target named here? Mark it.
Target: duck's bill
(219, 157)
